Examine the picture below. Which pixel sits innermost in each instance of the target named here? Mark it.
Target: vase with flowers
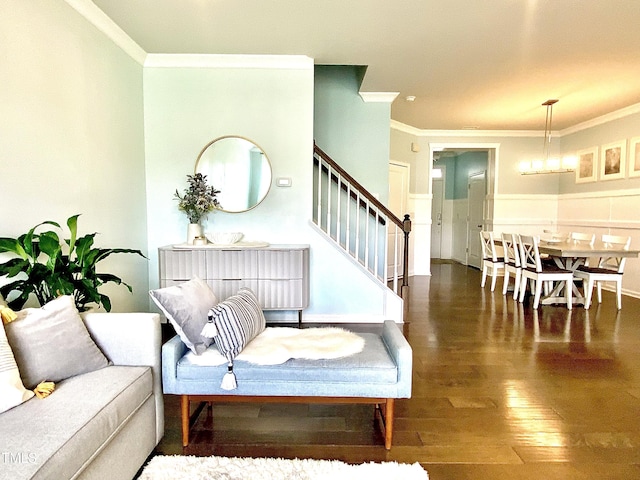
(197, 201)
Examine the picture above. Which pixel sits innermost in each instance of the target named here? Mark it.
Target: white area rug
(223, 468)
(276, 345)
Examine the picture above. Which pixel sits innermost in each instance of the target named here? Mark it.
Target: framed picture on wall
(634, 157)
(612, 160)
(587, 168)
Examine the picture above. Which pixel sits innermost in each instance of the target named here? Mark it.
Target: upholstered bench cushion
(67, 428)
(381, 370)
(372, 365)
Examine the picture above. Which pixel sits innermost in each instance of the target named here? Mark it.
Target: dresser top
(237, 246)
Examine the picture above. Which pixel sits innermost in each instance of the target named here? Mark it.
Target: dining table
(570, 255)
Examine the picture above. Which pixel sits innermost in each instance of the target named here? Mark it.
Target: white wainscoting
(614, 212)
(420, 237)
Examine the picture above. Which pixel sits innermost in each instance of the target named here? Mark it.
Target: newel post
(406, 228)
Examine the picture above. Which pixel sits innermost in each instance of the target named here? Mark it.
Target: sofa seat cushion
(55, 437)
(371, 366)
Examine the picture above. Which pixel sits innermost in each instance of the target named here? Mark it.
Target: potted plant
(48, 267)
(197, 201)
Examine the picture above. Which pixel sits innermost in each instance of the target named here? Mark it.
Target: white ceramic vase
(193, 230)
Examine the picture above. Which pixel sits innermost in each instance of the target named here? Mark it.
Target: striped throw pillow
(234, 322)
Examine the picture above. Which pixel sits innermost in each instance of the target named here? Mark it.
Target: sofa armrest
(402, 355)
(172, 352)
(132, 339)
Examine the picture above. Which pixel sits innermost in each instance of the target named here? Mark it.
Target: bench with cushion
(378, 374)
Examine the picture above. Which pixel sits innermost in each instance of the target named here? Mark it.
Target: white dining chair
(490, 260)
(607, 269)
(535, 272)
(511, 263)
(588, 238)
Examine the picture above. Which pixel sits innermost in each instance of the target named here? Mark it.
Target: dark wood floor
(499, 392)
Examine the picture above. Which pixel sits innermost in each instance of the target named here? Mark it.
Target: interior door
(437, 189)
(398, 194)
(477, 188)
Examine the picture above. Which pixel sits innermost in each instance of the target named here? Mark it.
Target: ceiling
(486, 64)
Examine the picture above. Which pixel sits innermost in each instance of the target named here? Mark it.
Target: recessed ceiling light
(410, 98)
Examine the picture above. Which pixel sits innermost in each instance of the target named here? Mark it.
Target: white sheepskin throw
(207, 468)
(276, 345)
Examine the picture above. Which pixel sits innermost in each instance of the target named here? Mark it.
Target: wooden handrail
(400, 223)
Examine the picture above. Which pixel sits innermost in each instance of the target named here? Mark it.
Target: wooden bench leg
(184, 402)
(388, 423)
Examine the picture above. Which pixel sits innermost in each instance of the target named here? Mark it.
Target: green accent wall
(458, 169)
(354, 133)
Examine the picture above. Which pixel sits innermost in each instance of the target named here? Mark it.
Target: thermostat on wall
(283, 181)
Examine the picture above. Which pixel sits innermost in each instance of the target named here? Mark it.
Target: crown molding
(103, 23)
(403, 127)
(378, 97)
(609, 117)
(179, 60)
(464, 133)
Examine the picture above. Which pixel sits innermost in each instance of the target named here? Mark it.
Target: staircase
(361, 227)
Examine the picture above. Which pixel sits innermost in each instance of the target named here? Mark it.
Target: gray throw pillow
(186, 306)
(51, 343)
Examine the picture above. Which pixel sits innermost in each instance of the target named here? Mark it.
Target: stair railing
(360, 224)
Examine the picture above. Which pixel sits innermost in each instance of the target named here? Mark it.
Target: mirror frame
(219, 187)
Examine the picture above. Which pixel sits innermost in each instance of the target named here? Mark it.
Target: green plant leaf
(72, 223)
(12, 245)
(105, 252)
(83, 246)
(24, 290)
(107, 277)
(106, 302)
(29, 240)
(14, 267)
(50, 246)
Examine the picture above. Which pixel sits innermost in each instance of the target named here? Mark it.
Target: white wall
(71, 135)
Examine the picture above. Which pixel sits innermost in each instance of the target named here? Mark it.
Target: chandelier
(547, 163)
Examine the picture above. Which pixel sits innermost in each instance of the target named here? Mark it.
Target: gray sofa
(377, 375)
(97, 425)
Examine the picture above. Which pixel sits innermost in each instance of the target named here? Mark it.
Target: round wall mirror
(239, 169)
